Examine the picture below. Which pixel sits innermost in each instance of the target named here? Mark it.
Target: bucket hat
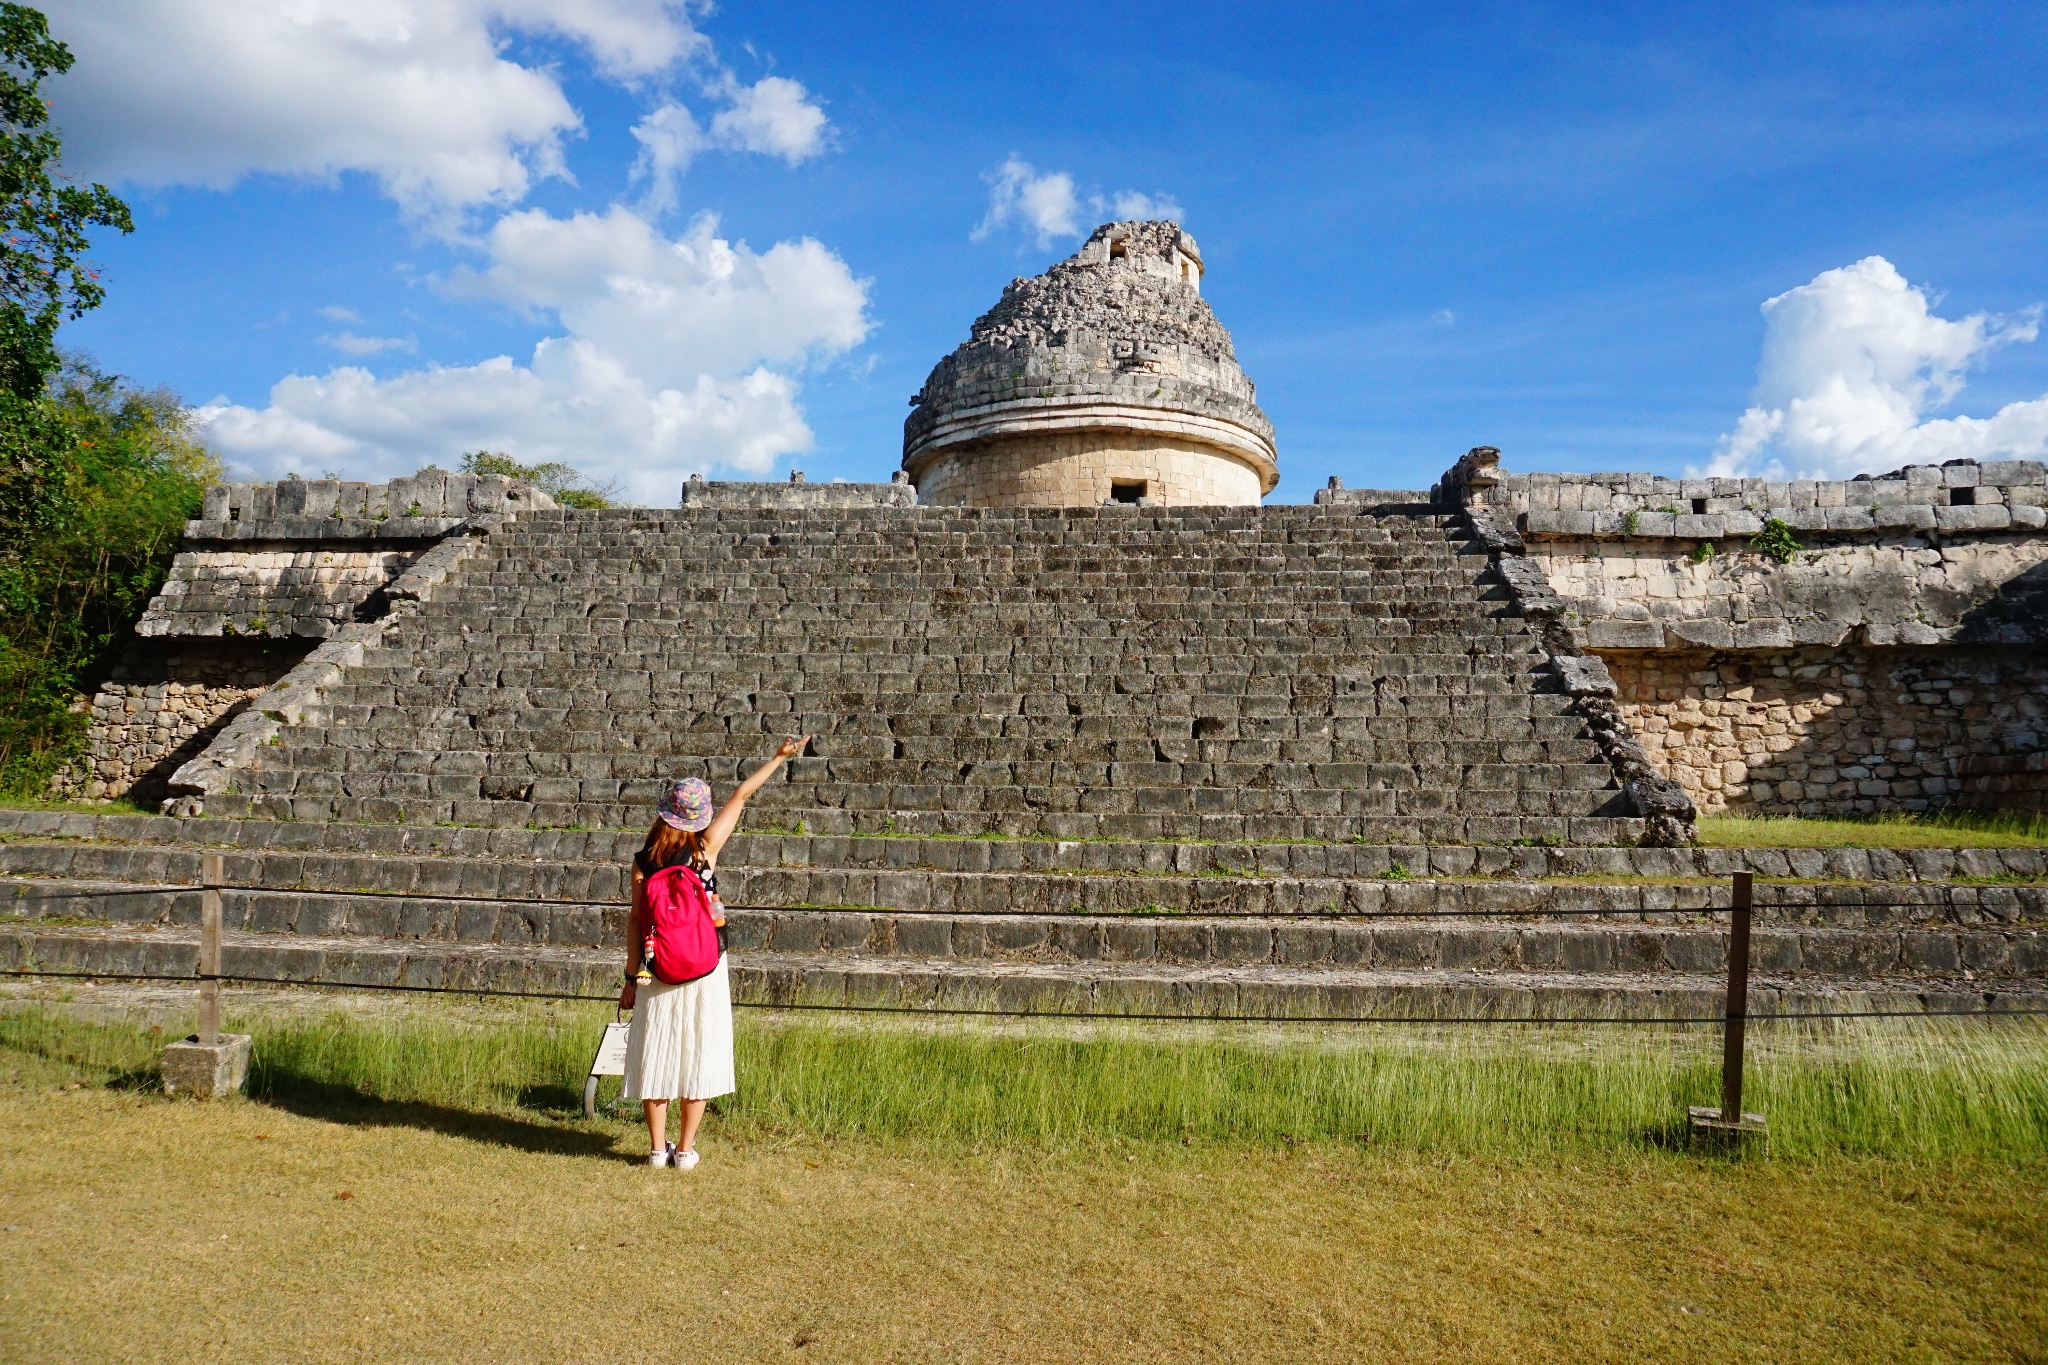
(687, 804)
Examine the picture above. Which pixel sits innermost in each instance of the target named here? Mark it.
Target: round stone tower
(1104, 379)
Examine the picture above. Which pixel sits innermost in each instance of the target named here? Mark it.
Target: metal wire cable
(949, 1010)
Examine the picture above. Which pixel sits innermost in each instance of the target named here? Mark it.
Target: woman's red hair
(666, 846)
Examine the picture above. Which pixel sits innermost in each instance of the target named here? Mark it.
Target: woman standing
(680, 1041)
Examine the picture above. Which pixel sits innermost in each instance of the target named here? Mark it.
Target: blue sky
(1548, 228)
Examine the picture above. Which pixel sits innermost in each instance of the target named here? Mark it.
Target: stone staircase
(1255, 762)
(1278, 673)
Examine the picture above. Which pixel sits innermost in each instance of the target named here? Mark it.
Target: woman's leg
(657, 1124)
(693, 1114)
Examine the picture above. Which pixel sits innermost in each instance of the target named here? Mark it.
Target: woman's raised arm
(728, 818)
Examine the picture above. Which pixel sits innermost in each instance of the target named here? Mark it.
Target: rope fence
(1728, 1120)
(235, 978)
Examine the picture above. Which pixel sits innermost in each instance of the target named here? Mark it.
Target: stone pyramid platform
(1266, 762)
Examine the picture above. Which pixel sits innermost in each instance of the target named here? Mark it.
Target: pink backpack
(685, 943)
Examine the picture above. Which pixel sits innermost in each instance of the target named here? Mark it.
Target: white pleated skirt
(680, 1043)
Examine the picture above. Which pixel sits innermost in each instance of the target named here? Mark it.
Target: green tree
(567, 485)
(132, 474)
(43, 279)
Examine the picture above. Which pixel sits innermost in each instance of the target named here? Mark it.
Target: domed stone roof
(1117, 337)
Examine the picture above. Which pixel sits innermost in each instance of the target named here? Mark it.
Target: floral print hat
(687, 804)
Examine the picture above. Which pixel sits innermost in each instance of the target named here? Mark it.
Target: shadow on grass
(344, 1104)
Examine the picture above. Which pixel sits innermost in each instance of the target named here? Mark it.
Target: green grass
(114, 806)
(1904, 1089)
(1944, 829)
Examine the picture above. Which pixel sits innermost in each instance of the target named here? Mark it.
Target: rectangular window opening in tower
(1118, 249)
(1127, 490)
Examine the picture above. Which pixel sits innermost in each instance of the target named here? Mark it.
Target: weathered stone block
(206, 1070)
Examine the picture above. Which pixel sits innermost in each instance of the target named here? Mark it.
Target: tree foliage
(132, 474)
(567, 485)
(44, 280)
(95, 475)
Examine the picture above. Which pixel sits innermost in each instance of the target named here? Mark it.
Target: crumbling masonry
(1080, 746)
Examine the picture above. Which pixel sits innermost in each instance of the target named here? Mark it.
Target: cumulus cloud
(334, 312)
(775, 116)
(1048, 206)
(664, 371)
(419, 94)
(1852, 365)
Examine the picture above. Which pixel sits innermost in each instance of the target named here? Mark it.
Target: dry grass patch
(163, 1230)
(413, 1187)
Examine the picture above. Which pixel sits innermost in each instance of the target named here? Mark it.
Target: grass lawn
(903, 1195)
(1948, 829)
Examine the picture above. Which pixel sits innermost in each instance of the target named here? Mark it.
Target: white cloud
(1130, 204)
(1042, 204)
(334, 312)
(669, 141)
(665, 369)
(348, 343)
(1852, 364)
(1049, 207)
(774, 116)
(697, 304)
(419, 94)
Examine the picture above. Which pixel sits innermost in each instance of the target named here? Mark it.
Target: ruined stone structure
(1896, 659)
(266, 574)
(1107, 378)
(1197, 756)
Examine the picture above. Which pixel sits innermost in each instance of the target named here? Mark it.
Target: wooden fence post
(208, 1063)
(1730, 1118)
(209, 949)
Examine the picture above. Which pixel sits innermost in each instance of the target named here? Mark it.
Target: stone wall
(796, 495)
(162, 705)
(1083, 469)
(266, 574)
(1877, 588)
(1842, 731)
(1893, 656)
(272, 587)
(304, 557)
(429, 493)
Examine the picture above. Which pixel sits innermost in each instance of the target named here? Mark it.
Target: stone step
(823, 979)
(1016, 823)
(1214, 889)
(695, 660)
(450, 770)
(1913, 941)
(501, 750)
(633, 799)
(1993, 872)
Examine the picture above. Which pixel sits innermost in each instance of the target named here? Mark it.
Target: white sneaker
(659, 1158)
(684, 1161)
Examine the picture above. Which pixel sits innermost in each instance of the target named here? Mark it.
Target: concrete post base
(206, 1070)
